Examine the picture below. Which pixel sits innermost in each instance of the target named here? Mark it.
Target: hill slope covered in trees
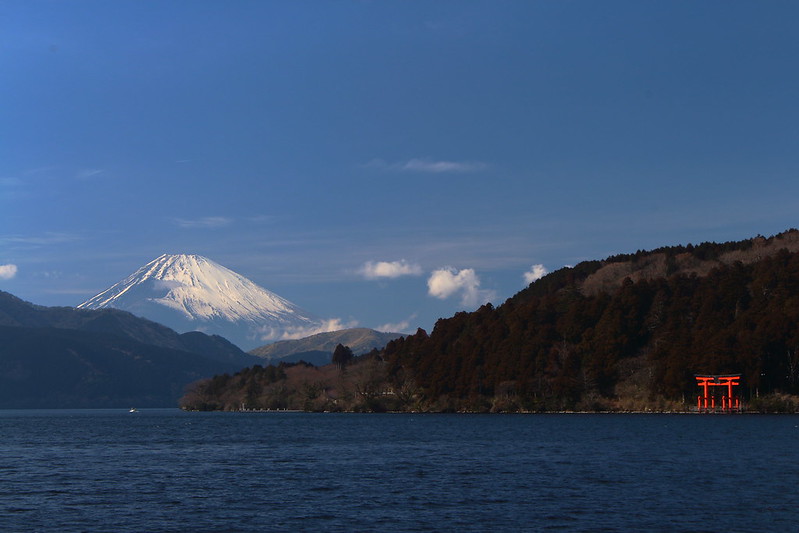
(64, 357)
(625, 333)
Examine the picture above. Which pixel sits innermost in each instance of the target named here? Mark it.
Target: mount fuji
(193, 293)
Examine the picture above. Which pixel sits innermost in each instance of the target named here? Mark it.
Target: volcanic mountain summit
(191, 292)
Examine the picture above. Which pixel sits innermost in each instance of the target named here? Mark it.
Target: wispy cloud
(47, 238)
(212, 222)
(446, 282)
(427, 165)
(325, 326)
(261, 219)
(430, 166)
(535, 273)
(49, 274)
(89, 173)
(204, 222)
(8, 271)
(398, 327)
(389, 269)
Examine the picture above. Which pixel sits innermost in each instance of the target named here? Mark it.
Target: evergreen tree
(342, 355)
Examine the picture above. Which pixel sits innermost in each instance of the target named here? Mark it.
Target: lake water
(166, 470)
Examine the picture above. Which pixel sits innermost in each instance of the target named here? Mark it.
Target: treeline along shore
(627, 333)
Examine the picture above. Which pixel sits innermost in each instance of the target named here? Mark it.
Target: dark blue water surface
(166, 470)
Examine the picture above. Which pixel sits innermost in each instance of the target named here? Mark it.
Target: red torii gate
(707, 402)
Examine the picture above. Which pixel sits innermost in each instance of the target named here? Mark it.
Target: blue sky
(386, 163)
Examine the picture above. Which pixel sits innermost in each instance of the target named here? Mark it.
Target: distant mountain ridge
(192, 293)
(318, 349)
(65, 357)
(16, 312)
(67, 368)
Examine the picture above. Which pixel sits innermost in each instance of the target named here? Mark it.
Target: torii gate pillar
(706, 403)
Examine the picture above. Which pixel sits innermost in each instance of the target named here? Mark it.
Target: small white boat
(133, 410)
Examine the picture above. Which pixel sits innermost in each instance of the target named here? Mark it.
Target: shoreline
(607, 412)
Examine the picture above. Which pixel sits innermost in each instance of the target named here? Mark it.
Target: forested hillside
(65, 357)
(628, 332)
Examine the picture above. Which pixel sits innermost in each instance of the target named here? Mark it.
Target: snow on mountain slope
(191, 292)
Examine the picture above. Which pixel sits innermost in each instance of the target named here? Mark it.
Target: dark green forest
(626, 333)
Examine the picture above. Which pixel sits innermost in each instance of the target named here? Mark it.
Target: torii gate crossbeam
(707, 401)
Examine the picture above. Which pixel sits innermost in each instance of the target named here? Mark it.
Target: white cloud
(166, 285)
(428, 166)
(204, 222)
(293, 333)
(386, 269)
(399, 327)
(535, 273)
(8, 271)
(448, 281)
(445, 282)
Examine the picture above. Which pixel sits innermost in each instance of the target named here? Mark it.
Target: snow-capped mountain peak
(191, 292)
